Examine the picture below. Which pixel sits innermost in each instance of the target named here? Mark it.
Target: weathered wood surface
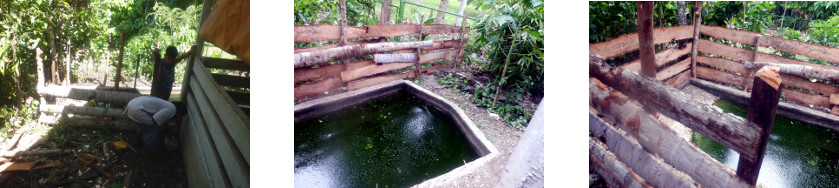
(653, 169)
(613, 171)
(308, 73)
(629, 42)
(328, 46)
(762, 105)
(792, 46)
(661, 58)
(234, 120)
(719, 76)
(375, 69)
(785, 109)
(678, 79)
(791, 94)
(645, 38)
(85, 110)
(748, 56)
(697, 22)
(672, 70)
(318, 87)
(227, 64)
(308, 59)
(358, 84)
(730, 78)
(807, 98)
(200, 146)
(437, 45)
(805, 71)
(799, 82)
(233, 159)
(113, 97)
(834, 98)
(314, 33)
(727, 129)
(232, 81)
(660, 138)
(726, 64)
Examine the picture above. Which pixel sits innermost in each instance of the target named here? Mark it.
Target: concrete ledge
(790, 110)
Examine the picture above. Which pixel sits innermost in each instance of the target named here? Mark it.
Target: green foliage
(311, 12)
(825, 32)
(743, 15)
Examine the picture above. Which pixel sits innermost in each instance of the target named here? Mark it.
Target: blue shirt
(167, 73)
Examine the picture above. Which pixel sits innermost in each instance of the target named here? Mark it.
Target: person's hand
(192, 49)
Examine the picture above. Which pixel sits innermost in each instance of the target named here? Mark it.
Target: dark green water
(798, 154)
(394, 141)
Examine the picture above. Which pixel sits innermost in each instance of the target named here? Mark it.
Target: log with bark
(645, 38)
(395, 58)
(85, 110)
(613, 171)
(114, 97)
(727, 129)
(799, 70)
(659, 137)
(656, 172)
(308, 59)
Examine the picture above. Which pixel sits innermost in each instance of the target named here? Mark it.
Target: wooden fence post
(746, 82)
(697, 21)
(766, 92)
(417, 63)
(385, 17)
(645, 38)
(119, 63)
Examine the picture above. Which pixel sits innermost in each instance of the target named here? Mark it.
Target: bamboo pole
(727, 129)
(645, 38)
(697, 21)
(763, 103)
(503, 74)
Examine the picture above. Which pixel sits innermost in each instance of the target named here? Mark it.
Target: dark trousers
(149, 135)
(162, 92)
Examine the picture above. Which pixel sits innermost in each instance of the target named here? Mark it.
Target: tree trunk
(653, 169)
(118, 77)
(85, 111)
(697, 21)
(460, 11)
(385, 17)
(116, 98)
(799, 70)
(308, 59)
(659, 138)
(645, 38)
(615, 172)
(395, 58)
(53, 57)
(680, 7)
(727, 129)
(39, 59)
(441, 16)
(67, 64)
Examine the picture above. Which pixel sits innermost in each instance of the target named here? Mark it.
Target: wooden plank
(234, 163)
(661, 58)
(771, 58)
(762, 106)
(234, 120)
(613, 171)
(719, 76)
(308, 73)
(672, 70)
(239, 97)
(835, 110)
(232, 81)
(318, 87)
(358, 84)
(678, 79)
(799, 82)
(834, 98)
(645, 38)
(210, 166)
(726, 64)
(708, 46)
(314, 33)
(630, 151)
(629, 42)
(227, 64)
(375, 69)
(807, 98)
(727, 129)
(328, 46)
(792, 46)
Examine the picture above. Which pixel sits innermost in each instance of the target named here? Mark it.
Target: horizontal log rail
(659, 137)
(661, 58)
(613, 171)
(315, 33)
(629, 42)
(308, 59)
(792, 46)
(727, 129)
(719, 76)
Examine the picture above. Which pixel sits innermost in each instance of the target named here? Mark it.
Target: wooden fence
(364, 71)
(642, 128)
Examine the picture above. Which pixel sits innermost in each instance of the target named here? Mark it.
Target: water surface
(394, 141)
(798, 154)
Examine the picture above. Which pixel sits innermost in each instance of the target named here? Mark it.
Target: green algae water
(394, 141)
(798, 154)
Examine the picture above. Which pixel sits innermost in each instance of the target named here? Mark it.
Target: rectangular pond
(797, 155)
(394, 138)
